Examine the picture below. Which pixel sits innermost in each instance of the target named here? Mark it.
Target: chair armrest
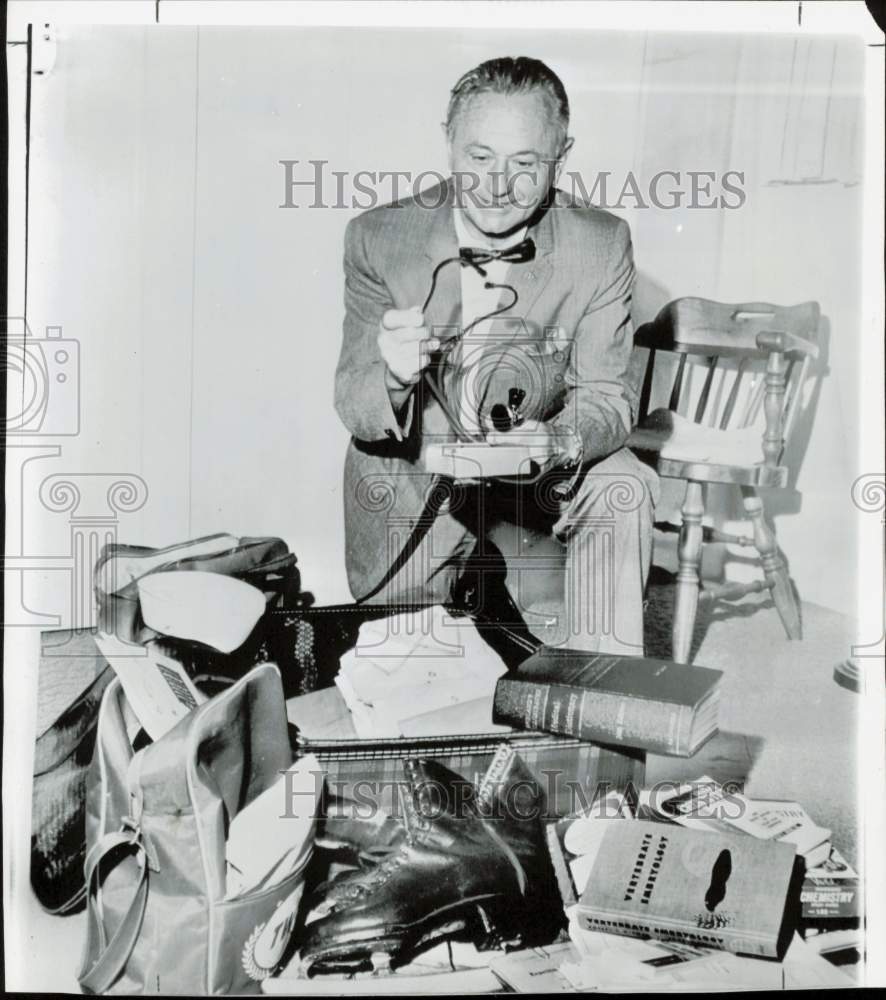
(787, 343)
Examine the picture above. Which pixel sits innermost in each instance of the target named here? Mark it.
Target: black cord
(434, 381)
(488, 284)
(431, 508)
(495, 312)
(437, 270)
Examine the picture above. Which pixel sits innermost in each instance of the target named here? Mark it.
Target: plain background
(208, 317)
(118, 125)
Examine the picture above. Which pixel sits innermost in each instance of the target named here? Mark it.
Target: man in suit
(552, 369)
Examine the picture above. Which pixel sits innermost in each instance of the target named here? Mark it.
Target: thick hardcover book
(717, 890)
(635, 701)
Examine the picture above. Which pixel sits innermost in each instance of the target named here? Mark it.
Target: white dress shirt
(477, 300)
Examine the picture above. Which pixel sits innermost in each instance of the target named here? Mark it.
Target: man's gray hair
(509, 75)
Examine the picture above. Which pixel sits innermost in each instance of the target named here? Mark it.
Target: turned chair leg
(776, 572)
(689, 554)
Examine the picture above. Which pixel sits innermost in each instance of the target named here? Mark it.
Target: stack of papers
(536, 970)
(789, 822)
(706, 805)
(610, 962)
(421, 673)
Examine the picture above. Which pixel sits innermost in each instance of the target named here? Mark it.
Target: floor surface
(786, 728)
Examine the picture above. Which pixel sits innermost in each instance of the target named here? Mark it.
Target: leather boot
(364, 841)
(347, 833)
(354, 840)
(473, 864)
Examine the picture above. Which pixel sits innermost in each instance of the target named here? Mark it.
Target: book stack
(691, 886)
(663, 943)
(590, 961)
(655, 705)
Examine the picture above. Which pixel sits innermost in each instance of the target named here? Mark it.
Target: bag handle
(114, 954)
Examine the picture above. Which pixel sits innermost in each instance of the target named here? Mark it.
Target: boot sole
(488, 918)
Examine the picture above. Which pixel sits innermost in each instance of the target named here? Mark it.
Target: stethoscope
(500, 414)
(433, 373)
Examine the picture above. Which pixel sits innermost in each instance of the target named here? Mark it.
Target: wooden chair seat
(750, 475)
(740, 370)
(686, 450)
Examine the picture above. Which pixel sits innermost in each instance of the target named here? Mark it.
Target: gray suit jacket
(580, 281)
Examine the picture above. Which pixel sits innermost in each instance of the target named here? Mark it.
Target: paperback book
(830, 890)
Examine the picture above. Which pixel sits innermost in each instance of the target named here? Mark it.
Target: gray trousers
(577, 567)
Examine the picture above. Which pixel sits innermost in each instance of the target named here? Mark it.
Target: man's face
(503, 153)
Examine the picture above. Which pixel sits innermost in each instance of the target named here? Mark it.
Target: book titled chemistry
(718, 890)
(654, 705)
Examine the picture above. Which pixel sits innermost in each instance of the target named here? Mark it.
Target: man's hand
(405, 344)
(560, 447)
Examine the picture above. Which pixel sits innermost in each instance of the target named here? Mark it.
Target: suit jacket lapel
(444, 309)
(443, 315)
(440, 243)
(531, 279)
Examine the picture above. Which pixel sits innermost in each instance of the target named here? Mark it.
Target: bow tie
(517, 254)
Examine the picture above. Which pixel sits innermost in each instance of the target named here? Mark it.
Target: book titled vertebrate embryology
(717, 890)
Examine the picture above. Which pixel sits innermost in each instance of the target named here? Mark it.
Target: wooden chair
(740, 370)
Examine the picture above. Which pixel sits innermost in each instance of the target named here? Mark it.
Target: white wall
(209, 317)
